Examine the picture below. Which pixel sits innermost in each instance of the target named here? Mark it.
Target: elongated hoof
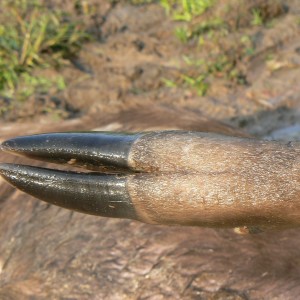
(166, 177)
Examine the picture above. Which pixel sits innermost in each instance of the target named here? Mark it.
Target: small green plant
(185, 10)
(222, 48)
(33, 36)
(257, 19)
(183, 34)
(28, 85)
(199, 83)
(169, 83)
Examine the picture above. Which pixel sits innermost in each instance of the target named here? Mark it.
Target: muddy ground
(122, 70)
(135, 47)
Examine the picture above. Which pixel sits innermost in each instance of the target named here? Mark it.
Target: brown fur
(52, 253)
(208, 179)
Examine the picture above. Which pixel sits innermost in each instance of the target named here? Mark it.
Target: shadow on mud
(282, 123)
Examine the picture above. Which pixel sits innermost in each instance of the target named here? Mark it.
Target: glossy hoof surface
(165, 177)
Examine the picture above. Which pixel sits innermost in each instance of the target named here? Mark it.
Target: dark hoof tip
(6, 168)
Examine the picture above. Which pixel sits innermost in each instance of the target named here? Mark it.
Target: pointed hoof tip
(7, 146)
(5, 168)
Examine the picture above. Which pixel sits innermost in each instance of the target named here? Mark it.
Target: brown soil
(125, 65)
